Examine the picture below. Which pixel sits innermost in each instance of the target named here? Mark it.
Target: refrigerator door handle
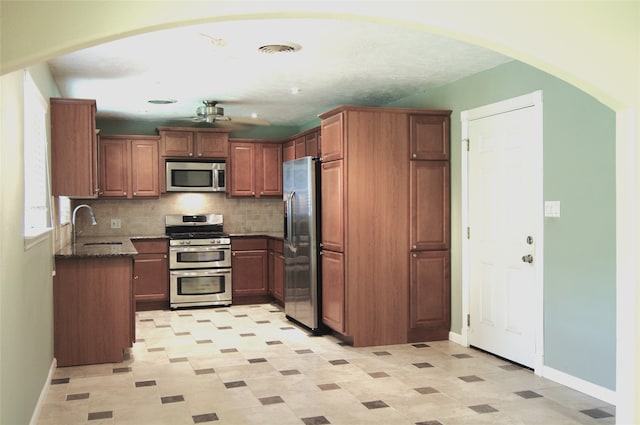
(290, 235)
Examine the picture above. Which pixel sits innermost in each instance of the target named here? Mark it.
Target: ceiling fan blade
(250, 121)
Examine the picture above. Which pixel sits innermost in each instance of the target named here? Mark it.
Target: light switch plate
(552, 209)
(115, 223)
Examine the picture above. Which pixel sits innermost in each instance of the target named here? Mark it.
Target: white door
(504, 217)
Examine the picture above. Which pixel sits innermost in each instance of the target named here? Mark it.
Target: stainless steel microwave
(196, 176)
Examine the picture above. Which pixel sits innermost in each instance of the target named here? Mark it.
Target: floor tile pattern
(249, 365)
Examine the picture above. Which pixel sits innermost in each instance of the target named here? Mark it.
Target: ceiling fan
(211, 114)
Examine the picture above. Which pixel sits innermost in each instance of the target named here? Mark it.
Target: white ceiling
(340, 62)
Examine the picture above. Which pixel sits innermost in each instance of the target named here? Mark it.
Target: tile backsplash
(146, 216)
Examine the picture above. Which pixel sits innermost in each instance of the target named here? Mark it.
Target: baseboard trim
(35, 416)
(601, 393)
(457, 338)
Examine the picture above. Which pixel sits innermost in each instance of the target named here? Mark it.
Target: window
(37, 211)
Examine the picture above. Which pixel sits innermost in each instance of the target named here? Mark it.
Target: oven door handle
(193, 248)
(290, 227)
(217, 272)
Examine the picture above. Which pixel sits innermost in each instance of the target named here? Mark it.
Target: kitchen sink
(101, 243)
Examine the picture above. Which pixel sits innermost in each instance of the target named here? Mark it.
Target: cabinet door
(333, 291)
(311, 144)
(249, 270)
(243, 165)
(74, 148)
(212, 145)
(429, 136)
(332, 211)
(114, 167)
(176, 143)
(144, 169)
(301, 147)
(429, 296)
(289, 151)
(429, 205)
(151, 277)
(332, 130)
(270, 168)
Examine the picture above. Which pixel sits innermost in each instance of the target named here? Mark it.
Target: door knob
(527, 259)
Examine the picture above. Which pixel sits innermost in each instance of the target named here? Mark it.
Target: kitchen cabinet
(249, 268)
(429, 296)
(429, 228)
(276, 270)
(256, 169)
(368, 198)
(203, 143)
(74, 150)
(429, 136)
(94, 311)
(129, 166)
(302, 144)
(289, 151)
(151, 274)
(333, 296)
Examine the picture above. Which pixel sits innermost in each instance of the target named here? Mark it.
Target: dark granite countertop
(103, 246)
(273, 235)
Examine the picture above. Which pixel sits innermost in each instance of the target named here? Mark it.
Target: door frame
(533, 99)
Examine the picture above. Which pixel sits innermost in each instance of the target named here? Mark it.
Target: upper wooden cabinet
(129, 166)
(332, 130)
(302, 144)
(429, 137)
(256, 168)
(74, 151)
(205, 143)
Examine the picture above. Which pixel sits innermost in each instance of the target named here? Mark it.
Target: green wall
(579, 247)
(26, 297)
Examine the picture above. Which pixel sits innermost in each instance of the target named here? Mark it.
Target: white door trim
(534, 100)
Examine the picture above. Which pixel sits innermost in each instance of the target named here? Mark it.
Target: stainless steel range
(199, 261)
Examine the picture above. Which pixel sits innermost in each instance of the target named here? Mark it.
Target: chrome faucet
(73, 220)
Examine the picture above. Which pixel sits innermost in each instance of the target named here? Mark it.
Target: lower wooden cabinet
(276, 270)
(429, 296)
(333, 295)
(249, 268)
(93, 310)
(151, 273)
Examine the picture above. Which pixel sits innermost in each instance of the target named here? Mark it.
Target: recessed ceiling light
(254, 115)
(162, 101)
(294, 90)
(279, 48)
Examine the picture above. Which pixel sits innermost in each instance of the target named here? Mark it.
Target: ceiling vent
(279, 48)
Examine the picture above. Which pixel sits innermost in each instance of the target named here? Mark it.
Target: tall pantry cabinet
(379, 209)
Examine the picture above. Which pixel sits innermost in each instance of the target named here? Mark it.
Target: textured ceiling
(339, 62)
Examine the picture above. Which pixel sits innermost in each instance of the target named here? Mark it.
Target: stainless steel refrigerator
(301, 243)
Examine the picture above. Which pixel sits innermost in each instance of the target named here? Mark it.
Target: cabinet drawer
(150, 246)
(248, 244)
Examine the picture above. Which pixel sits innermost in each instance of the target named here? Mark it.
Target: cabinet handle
(321, 252)
(414, 155)
(135, 277)
(253, 194)
(190, 153)
(135, 193)
(415, 255)
(414, 247)
(124, 193)
(261, 193)
(164, 256)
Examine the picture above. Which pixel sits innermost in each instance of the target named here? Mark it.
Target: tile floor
(249, 365)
